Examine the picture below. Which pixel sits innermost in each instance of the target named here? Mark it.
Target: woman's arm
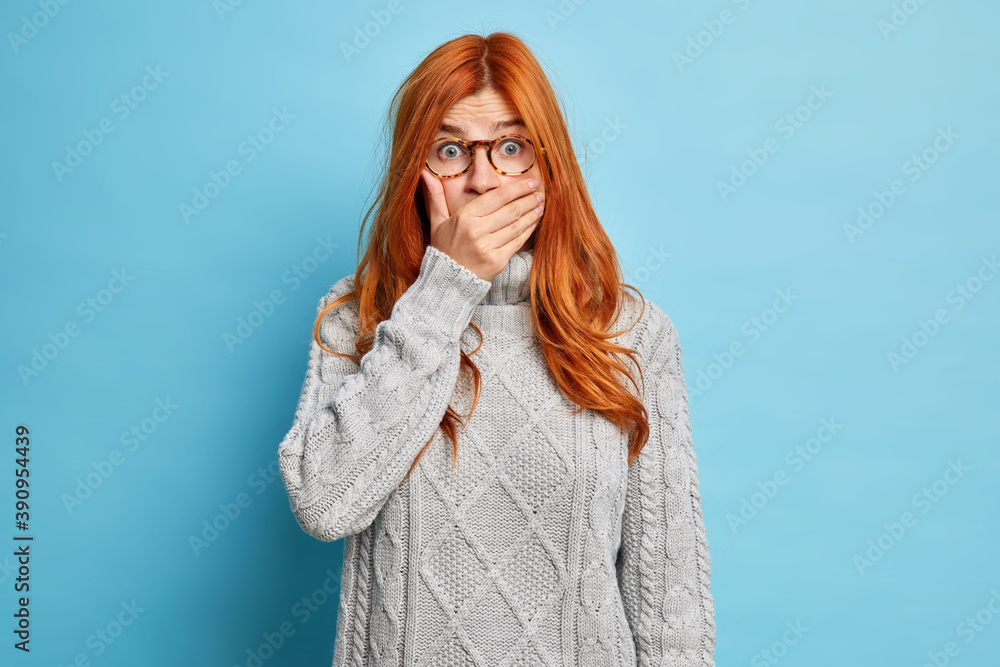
(358, 427)
(663, 562)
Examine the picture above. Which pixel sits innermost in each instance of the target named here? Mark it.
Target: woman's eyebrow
(459, 132)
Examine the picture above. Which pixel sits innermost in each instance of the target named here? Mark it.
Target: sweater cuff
(443, 295)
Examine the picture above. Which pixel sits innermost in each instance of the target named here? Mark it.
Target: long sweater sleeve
(359, 425)
(663, 561)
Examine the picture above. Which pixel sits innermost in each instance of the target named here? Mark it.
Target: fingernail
(539, 196)
(532, 183)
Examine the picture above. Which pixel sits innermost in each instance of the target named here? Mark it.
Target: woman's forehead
(482, 125)
(485, 104)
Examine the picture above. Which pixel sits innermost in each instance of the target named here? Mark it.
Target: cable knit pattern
(543, 547)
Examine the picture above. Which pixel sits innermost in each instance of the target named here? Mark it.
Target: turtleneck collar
(511, 284)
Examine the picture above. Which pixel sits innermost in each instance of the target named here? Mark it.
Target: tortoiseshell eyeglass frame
(470, 146)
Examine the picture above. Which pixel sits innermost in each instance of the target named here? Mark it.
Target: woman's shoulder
(341, 287)
(652, 326)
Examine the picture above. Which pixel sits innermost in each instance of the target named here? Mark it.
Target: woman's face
(486, 115)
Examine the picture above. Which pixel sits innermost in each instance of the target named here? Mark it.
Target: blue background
(655, 135)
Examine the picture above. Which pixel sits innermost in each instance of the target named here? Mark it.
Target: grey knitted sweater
(543, 547)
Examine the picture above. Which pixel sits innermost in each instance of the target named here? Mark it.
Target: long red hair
(575, 282)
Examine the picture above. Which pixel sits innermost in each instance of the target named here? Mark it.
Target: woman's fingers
(528, 212)
(518, 217)
(505, 204)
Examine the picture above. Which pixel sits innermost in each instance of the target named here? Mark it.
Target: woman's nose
(482, 171)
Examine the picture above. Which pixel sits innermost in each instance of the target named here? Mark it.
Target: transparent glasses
(510, 155)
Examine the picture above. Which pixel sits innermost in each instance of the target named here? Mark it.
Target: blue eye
(450, 150)
(511, 147)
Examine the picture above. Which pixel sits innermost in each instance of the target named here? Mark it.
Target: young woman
(498, 429)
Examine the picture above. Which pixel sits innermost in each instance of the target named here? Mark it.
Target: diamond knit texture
(543, 546)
